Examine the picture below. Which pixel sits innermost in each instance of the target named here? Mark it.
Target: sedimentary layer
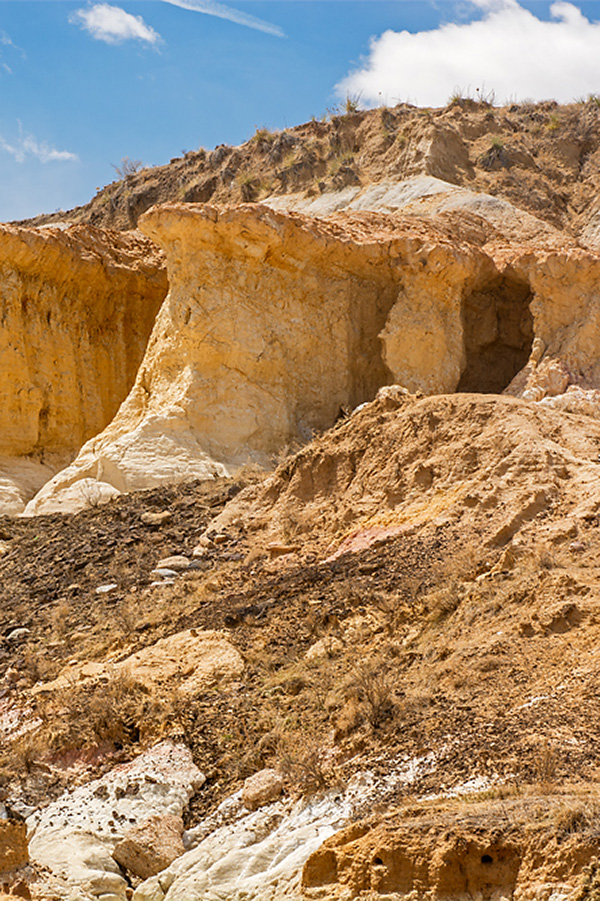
(77, 308)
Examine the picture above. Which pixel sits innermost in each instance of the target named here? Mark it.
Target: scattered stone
(151, 846)
(329, 646)
(162, 584)
(200, 551)
(178, 563)
(17, 634)
(221, 538)
(261, 788)
(105, 589)
(163, 573)
(4, 547)
(278, 550)
(156, 519)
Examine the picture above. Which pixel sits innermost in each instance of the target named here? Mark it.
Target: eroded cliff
(77, 307)
(277, 323)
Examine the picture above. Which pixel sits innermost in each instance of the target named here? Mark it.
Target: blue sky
(84, 84)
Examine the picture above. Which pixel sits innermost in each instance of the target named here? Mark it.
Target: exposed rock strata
(284, 322)
(74, 837)
(77, 307)
(275, 322)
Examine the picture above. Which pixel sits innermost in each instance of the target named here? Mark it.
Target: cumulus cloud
(113, 25)
(508, 50)
(27, 146)
(213, 8)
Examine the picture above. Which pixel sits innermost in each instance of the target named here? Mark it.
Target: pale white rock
(146, 455)
(22, 478)
(74, 837)
(77, 496)
(258, 858)
(178, 563)
(164, 573)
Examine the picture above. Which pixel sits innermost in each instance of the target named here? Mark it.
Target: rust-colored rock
(151, 846)
(77, 307)
(14, 851)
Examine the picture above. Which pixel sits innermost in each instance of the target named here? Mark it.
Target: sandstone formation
(77, 308)
(440, 857)
(74, 837)
(192, 661)
(290, 320)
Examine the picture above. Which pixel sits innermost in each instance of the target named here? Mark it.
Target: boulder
(151, 846)
(262, 788)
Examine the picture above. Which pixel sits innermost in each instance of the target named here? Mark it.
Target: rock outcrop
(285, 322)
(77, 307)
(73, 838)
(275, 323)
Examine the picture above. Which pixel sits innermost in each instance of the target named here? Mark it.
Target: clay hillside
(299, 511)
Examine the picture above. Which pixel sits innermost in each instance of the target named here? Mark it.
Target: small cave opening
(487, 859)
(498, 334)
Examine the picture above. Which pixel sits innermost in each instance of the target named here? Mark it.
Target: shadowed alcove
(498, 334)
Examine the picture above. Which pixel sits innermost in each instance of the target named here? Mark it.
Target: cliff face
(273, 325)
(77, 307)
(275, 322)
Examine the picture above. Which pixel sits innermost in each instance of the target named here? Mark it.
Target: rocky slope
(541, 157)
(369, 672)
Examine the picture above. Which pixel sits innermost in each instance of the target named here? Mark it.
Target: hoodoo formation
(299, 573)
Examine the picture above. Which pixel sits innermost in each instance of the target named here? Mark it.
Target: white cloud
(213, 8)
(509, 50)
(113, 25)
(5, 41)
(27, 146)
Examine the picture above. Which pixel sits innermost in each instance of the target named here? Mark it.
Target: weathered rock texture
(73, 838)
(14, 852)
(439, 858)
(77, 308)
(150, 846)
(275, 322)
(194, 660)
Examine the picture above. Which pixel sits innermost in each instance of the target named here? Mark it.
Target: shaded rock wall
(76, 309)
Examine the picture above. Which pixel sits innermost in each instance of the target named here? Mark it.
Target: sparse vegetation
(127, 167)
